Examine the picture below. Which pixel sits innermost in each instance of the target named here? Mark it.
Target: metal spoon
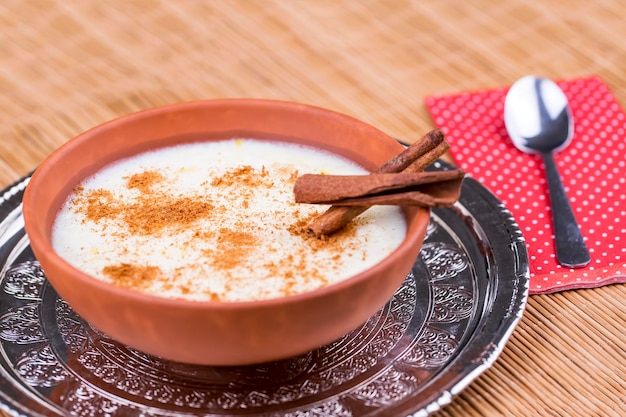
(538, 120)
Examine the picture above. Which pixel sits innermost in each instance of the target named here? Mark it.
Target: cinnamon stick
(427, 143)
(414, 158)
(426, 189)
(420, 164)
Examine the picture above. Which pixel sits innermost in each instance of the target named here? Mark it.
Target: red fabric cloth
(592, 167)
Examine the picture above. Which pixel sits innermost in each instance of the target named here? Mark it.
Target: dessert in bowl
(158, 229)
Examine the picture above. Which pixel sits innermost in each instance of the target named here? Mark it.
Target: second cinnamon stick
(414, 158)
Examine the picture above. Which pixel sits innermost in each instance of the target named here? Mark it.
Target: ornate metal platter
(445, 325)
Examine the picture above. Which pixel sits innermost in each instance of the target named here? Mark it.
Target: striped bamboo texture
(66, 66)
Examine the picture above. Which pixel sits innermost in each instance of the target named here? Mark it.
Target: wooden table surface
(66, 66)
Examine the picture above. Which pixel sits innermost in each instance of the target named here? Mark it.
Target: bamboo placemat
(66, 66)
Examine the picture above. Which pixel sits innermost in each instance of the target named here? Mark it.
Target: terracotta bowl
(216, 333)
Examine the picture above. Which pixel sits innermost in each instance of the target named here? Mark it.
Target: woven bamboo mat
(66, 66)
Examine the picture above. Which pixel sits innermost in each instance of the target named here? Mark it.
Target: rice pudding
(216, 221)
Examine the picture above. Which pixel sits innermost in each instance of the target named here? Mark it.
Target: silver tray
(444, 326)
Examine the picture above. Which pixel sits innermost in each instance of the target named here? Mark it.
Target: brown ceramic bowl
(216, 333)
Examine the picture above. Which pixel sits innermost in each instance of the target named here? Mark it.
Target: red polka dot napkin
(593, 170)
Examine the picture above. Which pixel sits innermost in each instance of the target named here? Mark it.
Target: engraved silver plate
(444, 326)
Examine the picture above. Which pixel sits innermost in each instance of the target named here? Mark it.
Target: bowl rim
(415, 218)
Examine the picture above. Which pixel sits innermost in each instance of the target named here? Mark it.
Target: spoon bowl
(538, 120)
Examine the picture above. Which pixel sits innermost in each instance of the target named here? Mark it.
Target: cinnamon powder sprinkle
(132, 276)
(243, 175)
(237, 234)
(144, 181)
(233, 247)
(148, 214)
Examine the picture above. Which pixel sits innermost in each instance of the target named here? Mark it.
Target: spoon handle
(570, 245)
